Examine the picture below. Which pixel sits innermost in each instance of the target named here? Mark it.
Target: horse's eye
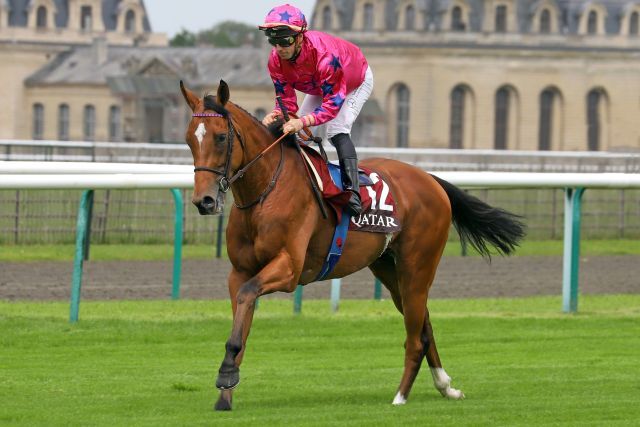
(220, 138)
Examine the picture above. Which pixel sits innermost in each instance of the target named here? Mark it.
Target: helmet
(284, 21)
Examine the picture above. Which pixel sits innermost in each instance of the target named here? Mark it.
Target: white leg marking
(399, 399)
(442, 381)
(200, 133)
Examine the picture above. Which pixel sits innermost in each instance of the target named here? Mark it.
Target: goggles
(282, 41)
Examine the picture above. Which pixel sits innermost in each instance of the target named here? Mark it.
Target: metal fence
(140, 216)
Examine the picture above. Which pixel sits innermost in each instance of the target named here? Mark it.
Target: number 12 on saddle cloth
(378, 207)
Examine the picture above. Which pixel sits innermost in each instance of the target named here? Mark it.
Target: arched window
(327, 23)
(502, 119)
(456, 125)
(546, 120)
(41, 17)
(545, 21)
(115, 121)
(368, 17)
(402, 125)
(260, 113)
(89, 122)
(63, 122)
(86, 19)
(38, 121)
(594, 98)
(457, 24)
(592, 22)
(130, 22)
(633, 24)
(501, 19)
(410, 18)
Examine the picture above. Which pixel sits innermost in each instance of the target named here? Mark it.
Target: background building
(503, 74)
(483, 74)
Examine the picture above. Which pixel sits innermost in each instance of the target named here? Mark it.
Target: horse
(278, 239)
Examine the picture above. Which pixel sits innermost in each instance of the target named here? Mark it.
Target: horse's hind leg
(441, 380)
(384, 268)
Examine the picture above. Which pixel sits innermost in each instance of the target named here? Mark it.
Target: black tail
(481, 224)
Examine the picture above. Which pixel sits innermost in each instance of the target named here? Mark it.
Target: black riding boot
(349, 171)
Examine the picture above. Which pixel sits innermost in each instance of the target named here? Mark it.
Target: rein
(224, 183)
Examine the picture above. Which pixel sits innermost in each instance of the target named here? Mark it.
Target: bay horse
(277, 237)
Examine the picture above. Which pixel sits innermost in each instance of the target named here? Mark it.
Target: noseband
(224, 183)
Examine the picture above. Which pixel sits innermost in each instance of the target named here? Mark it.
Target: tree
(223, 34)
(184, 38)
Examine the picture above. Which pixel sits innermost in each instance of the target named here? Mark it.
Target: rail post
(177, 243)
(81, 237)
(571, 257)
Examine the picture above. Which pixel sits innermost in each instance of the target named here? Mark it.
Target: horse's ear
(223, 92)
(190, 97)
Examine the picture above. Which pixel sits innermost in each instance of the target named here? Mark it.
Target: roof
(434, 18)
(122, 68)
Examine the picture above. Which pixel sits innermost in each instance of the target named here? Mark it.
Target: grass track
(519, 361)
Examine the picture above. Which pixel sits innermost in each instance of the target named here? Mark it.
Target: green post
(87, 241)
(81, 237)
(377, 290)
(297, 300)
(219, 236)
(177, 244)
(571, 257)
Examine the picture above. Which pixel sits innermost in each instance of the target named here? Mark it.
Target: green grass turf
(519, 361)
(152, 252)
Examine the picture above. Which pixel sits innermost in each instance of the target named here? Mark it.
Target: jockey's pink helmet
(283, 18)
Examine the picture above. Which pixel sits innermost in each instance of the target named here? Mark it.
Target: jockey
(334, 75)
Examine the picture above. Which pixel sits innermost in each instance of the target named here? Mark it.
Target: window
(501, 19)
(63, 122)
(130, 22)
(633, 24)
(594, 98)
(592, 23)
(501, 119)
(114, 123)
(86, 22)
(410, 18)
(41, 17)
(38, 121)
(456, 126)
(456, 19)
(89, 128)
(260, 113)
(402, 125)
(546, 120)
(545, 22)
(327, 23)
(368, 17)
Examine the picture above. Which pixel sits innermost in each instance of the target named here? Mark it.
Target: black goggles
(282, 41)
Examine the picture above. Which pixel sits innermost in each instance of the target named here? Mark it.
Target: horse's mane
(275, 128)
(210, 103)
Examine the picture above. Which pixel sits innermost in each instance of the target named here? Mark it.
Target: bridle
(224, 182)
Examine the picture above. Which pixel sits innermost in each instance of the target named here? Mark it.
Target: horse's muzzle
(208, 206)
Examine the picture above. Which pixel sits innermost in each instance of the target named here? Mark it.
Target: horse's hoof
(223, 404)
(452, 393)
(228, 379)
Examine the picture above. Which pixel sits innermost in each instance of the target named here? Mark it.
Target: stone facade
(514, 74)
(36, 34)
(477, 74)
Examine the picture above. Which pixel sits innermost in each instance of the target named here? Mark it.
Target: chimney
(100, 50)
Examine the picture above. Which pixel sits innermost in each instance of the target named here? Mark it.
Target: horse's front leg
(278, 275)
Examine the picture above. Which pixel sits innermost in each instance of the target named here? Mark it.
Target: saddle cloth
(379, 213)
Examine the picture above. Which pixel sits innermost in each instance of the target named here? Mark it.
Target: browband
(206, 115)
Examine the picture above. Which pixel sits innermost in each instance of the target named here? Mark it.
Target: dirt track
(457, 277)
